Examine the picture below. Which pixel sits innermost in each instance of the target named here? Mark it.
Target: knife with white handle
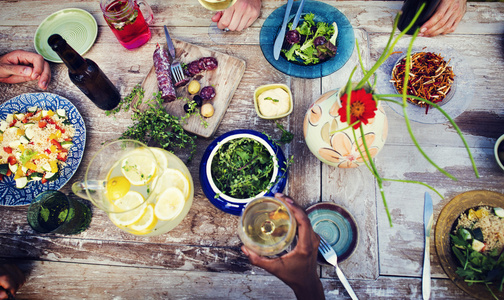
(281, 35)
(428, 220)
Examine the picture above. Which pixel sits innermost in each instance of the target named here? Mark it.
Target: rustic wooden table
(200, 258)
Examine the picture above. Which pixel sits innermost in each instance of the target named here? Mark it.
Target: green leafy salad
(478, 244)
(242, 168)
(310, 43)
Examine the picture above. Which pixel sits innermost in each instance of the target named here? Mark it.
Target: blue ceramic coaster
(323, 12)
(336, 226)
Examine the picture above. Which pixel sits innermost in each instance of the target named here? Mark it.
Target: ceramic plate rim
(346, 37)
(26, 195)
(348, 216)
(38, 33)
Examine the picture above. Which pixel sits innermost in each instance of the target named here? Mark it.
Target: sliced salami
(209, 63)
(207, 93)
(163, 74)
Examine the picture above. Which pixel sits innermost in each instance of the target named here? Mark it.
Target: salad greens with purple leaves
(310, 43)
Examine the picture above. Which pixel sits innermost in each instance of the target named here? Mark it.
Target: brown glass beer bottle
(86, 75)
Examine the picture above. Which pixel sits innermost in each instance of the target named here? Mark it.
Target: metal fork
(330, 256)
(176, 67)
(177, 71)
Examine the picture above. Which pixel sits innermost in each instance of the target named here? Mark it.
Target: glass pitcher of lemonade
(144, 190)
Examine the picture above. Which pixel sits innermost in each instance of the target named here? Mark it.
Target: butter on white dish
(274, 102)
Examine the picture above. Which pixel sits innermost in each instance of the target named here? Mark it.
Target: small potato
(193, 87)
(207, 110)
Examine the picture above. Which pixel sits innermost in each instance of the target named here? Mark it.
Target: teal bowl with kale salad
(240, 166)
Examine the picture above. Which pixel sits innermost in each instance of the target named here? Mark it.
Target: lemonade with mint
(152, 195)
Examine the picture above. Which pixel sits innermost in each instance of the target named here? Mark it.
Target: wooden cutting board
(225, 79)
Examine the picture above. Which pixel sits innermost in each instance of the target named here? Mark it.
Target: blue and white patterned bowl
(233, 205)
(12, 196)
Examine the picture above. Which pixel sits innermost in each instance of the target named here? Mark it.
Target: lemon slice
(117, 187)
(128, 203)
(139, 169)
(147, 222)
(170, 204)
(173, 178)
(161, 157)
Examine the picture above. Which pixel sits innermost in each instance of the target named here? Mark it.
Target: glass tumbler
(54, 212)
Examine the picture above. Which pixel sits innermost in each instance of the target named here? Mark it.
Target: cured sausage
(203, 64)
(207, 93)
(163, 74)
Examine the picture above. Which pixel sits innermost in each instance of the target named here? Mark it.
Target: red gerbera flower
(362, 108)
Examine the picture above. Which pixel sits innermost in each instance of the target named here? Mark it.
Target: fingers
(21, 66)
(446, 19)
(256, 259)
(45, 77)
(10, 73)
(217, 16)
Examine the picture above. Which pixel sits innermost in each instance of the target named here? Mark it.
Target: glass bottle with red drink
(127, 22)
(86, 75)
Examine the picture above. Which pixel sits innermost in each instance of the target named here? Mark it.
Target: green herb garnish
(242, 168)
(156, 124)
(286, 137)
(126, 102)
(269, 98)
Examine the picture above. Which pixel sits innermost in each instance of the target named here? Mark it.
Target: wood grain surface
(224, 80)
(200, 258)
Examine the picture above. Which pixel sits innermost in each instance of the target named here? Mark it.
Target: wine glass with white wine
(267, 226)
(216, 4)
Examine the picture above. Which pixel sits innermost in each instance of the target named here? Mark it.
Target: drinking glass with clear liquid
(144, 190)
(216, 4)
(127, 22)
(267, 226)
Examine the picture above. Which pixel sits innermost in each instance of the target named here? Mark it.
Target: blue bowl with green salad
(240, 166)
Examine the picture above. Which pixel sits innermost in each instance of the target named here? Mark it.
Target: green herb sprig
(156, 124)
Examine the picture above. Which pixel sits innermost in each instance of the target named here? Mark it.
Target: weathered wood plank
(55, 280)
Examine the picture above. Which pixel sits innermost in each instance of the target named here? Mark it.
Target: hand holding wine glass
(298, 268)
(237, 16)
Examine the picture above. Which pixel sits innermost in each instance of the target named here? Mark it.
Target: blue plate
(226, 203)
(345, 41)
(336, 226)
(12, 196)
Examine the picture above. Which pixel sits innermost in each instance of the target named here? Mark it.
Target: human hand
(11, 279)
(239, 16)
(298, 268)
(21, 66)
(445, 19)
